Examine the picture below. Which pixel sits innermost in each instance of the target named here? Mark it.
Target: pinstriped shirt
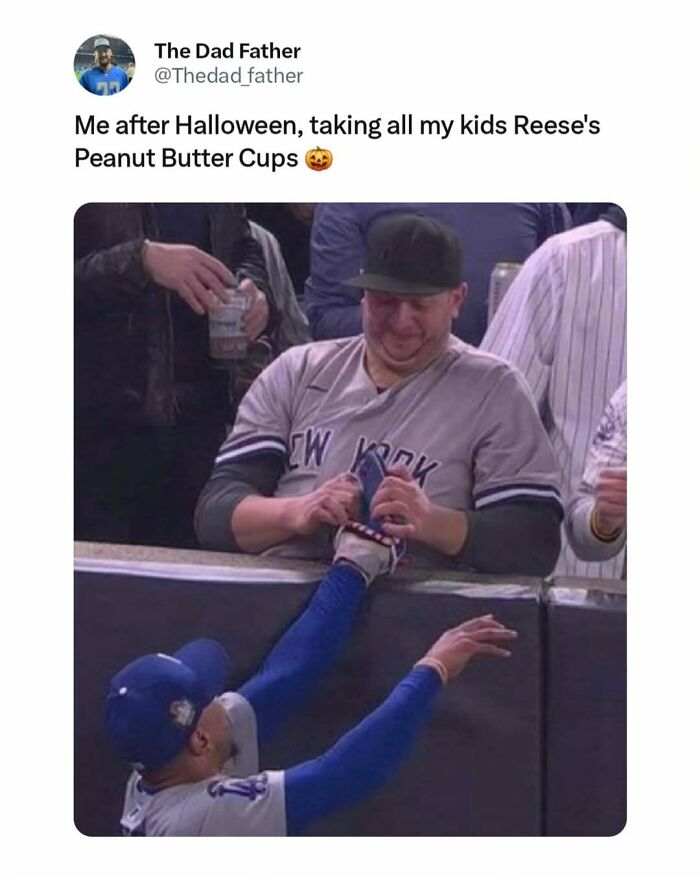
(563, 323)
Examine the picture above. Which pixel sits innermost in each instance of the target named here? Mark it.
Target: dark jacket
(124, 362)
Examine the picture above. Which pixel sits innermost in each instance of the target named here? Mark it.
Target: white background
(625, 64)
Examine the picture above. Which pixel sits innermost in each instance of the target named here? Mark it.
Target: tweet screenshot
(327, 545)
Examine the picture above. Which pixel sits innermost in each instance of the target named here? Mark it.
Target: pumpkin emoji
(319, 159)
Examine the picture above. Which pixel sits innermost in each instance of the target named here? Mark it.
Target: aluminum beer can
(228, 343)
(502, 276)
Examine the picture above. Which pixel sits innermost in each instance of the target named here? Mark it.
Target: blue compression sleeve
(364, 758)
(306, 650)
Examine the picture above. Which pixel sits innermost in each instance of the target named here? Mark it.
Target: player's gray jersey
(465, 426)
(238, 801)
(563, 323)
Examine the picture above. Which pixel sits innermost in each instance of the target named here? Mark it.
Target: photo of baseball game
(350, 517)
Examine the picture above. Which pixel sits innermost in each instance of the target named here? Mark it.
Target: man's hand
(611, 500)
(476, 637)
(256, 317)
(198, 278)
(334, 503)
(404, 505)
(408, 513)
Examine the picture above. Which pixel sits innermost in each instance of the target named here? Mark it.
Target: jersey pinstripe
(563, 323)
(465, 426)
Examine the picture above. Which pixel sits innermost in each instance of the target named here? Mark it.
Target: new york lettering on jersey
(465, 425)
(336, 414)
(309, 448)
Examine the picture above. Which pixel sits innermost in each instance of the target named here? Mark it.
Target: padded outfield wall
(529, 746)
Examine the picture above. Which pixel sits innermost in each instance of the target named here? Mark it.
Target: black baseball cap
(409, 254)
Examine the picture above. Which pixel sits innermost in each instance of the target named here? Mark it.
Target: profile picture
(104, 65)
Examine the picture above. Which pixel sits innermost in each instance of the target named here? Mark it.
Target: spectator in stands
(293, 324)
(150, 409)
(596, 517)
(488, 233)
(563, 323)
(471, 480)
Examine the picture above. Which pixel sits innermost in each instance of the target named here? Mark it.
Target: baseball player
(104, 78)
(472, 480)
(194, 749)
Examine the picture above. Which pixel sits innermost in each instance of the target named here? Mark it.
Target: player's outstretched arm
(368, 755)
(308, 649)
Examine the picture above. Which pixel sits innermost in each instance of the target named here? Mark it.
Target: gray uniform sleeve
(608, 450)
(513, 457)
(578, 528)
(514, 522)
(264, 416)
(245, 734)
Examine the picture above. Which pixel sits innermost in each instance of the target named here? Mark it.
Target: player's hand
(403, 504)
(334, 503)
(611, 500)
(478, 637)
(198, 278)
(256, 317)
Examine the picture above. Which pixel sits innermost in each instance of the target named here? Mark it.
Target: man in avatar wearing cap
(104, 78)
(471, 478)
(194, 748)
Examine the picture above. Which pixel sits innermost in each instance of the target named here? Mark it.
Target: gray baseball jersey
(237, 802)
(466, 427)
